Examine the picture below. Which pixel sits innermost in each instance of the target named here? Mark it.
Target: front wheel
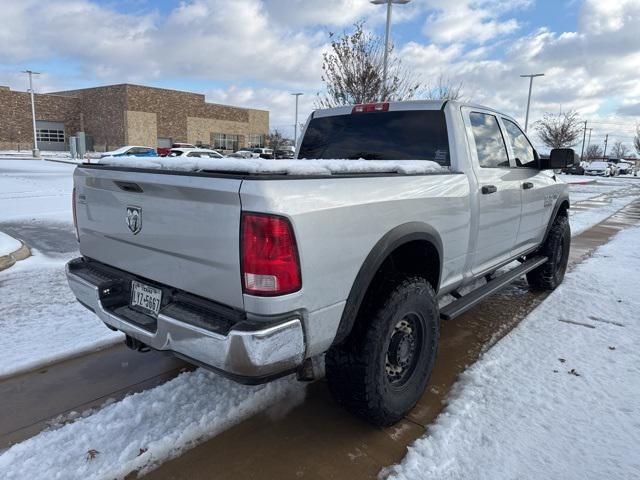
(556, 248)
(381, 373)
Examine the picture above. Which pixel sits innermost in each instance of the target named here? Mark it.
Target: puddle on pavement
(319, 440)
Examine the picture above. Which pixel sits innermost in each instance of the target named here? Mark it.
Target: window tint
(193, 154)
(492, 151)
(400, 135)
(522, 149)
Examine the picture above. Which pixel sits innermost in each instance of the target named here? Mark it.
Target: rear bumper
(248, 350)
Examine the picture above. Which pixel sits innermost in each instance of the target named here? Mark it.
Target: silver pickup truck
(257, 270)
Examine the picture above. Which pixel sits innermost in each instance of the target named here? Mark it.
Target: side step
(458, 307)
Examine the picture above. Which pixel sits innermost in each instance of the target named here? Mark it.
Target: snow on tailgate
(279, 167)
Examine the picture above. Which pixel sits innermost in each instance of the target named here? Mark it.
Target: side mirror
(562, 158)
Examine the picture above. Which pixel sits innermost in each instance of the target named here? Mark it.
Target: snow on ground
(558, 396)
(145, 428)
(40, 320)
(8, 244)
(581, 192)
(32, 189)
(288, 167)
(29, 154)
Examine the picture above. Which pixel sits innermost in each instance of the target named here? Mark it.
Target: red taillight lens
(370, 107)
(270, 264)
(75, 214)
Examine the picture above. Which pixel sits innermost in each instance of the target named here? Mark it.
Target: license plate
(146, 298)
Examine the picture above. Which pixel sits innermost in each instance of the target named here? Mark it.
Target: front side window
(394, 135)
(490, 145)
(522, 149)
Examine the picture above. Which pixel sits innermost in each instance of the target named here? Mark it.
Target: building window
(49, 135)
(224, 141)
(256, 141)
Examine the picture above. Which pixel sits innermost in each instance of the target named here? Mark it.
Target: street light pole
(387, 38)
(531, 75)
(36, 152)
(295, 127)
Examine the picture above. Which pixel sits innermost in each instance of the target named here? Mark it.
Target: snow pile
(8, 244)
(145, 428)
(280, 167)
(558, 396)
(40, 321)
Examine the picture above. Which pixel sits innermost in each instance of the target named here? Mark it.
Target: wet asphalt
(316, 439)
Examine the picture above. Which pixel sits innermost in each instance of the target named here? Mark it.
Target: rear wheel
(382, 372)
(556, 248)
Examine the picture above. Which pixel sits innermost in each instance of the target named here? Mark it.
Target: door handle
(487, 189)
(527, 185)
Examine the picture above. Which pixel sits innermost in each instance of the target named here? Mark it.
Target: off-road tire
(358, 372)
(556, 247)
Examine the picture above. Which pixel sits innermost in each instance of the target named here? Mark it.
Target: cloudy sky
(255, 52)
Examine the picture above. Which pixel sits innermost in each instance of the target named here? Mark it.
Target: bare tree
(619, 149)
(353, 71)
(444, 89)
(561, 130)
(636, 140)
(593, 152)
(276, 140)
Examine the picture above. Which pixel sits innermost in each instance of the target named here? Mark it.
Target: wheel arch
(394, 250)
(561, 208)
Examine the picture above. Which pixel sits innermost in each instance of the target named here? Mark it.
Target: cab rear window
(399, 135)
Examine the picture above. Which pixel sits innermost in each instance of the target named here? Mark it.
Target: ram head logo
(134, 219)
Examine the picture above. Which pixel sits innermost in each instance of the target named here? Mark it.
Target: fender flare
(393, 239)
(562, 200)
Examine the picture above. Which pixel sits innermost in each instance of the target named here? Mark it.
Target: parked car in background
(601, 169)
(246, 153)
(164, 151)
(194, 152)
(625, 168)
(284, 154)
(263, 152)
(574, 170)
(131, 150)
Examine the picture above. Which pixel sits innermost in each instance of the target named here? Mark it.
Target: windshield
(400, 135)
(598, 165)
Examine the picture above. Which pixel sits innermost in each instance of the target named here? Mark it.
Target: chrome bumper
(253, 353)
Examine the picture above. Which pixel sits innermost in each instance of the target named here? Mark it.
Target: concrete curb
(7, 261)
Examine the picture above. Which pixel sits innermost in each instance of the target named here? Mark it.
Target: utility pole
(295, 127)
(584, 135)
(387, 35)
(604, 154)
(530, 76)
(36, 152)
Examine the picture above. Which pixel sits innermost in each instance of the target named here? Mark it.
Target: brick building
(117, 115)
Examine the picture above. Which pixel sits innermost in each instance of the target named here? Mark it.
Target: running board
(458, 307)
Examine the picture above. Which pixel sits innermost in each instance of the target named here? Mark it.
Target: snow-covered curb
(284, 167)
(145, 429)
(16, 251)
(558, 396)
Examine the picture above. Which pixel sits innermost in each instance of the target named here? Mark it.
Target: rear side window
(490, 146)
(404, 135)
(522, 149)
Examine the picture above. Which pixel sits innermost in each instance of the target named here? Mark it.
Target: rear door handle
(487, 189)
(527, 185)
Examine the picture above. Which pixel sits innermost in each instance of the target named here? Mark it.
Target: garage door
(50, 135)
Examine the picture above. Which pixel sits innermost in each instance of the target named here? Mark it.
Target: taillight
(269, 256)
(370, 107)
(75, 214)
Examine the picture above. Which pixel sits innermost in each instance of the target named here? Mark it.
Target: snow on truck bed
(277, 167)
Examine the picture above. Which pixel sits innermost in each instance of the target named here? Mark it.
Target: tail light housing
(370, 107)
(269, 256)
(75, 214)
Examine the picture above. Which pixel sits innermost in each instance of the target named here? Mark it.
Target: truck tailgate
(188, 234)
